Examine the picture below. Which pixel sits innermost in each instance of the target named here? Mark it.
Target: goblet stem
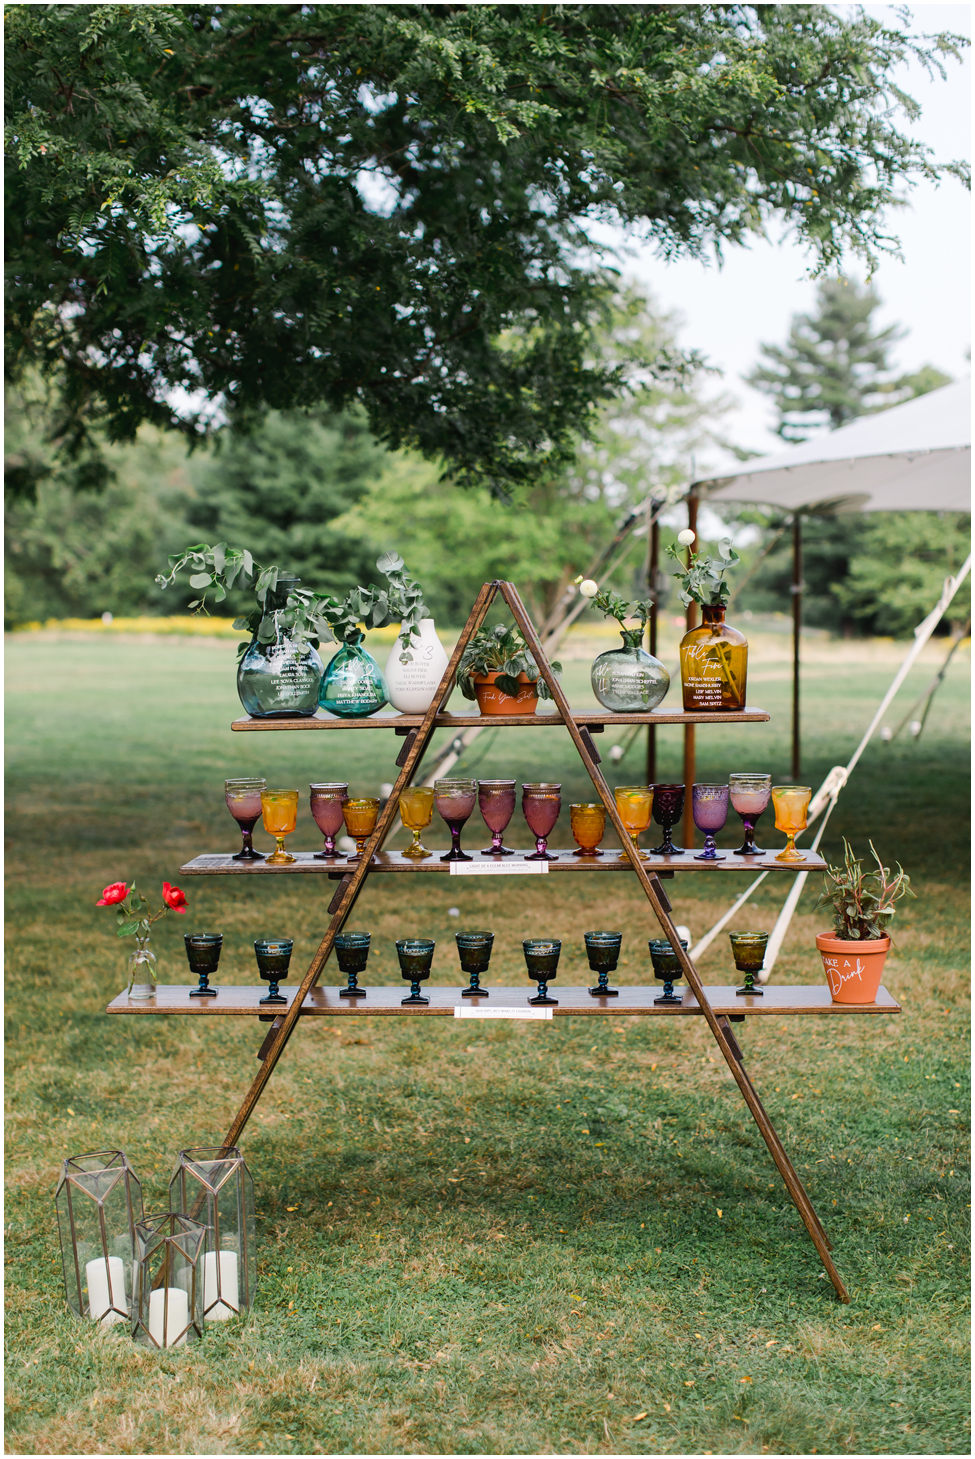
(602, 989)
(543, 994)
(710, 852)
(415, 995)
(279, 856)
(748, 847)
(667, 847)
(496, 847)
(749, 989)
(353, 990)
(417, 851)
(455, 853)
(475, 990)
(668, 995)
(360, 846)
(540, 853)
(247, 852)
(328, 850)
(790, 853)
(273, 996)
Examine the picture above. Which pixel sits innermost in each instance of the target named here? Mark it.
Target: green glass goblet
(748, 950)
(603, 952)
(415, 957)
(474, 949)
(352, 954)
(203, 955)
(273, 960)
(667, 968)
(542, 956)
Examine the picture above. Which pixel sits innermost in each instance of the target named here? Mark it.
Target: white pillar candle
(169, 1305)
(228, 1294)
(106, 1289)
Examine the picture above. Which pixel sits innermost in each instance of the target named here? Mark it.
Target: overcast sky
(729, 311)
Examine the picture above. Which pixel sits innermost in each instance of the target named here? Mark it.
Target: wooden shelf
(390, 719)
(223, 864)
(232, 1002)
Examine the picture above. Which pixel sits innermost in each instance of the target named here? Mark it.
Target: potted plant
(627, 680)
(714, 656)
(863, 904)
(497, 669)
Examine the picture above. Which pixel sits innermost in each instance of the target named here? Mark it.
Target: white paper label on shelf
(463, 1012)
(498, 868)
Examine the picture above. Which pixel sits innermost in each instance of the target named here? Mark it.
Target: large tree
(218, 209)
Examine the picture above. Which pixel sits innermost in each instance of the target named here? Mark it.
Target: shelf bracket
(586, 738)
(339, 892)
(661, 894)
(733, 1043)
(271, 1035)
(407, 746)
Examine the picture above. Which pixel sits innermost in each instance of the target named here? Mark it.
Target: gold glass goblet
(416, 813)
(588, 822)
(279, 811)
(791, 803)
(634, 804)
(360, 821)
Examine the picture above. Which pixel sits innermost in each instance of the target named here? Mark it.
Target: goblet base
(455, 854)
(475, 993)
(327, 856)
(583, 852)
(710, 856)
(541, 856)
(417, 853)
(352, 992)
(498, 851)
(248, 854)
(274, 997)
(542, 998)
(790, 854)
(204, 992)
(604, 992)
(414, 998)
(280, 858)
(671, 999)
(667, 848)
(356, 856)
(751, 850)
(643, 855)
(754, 992)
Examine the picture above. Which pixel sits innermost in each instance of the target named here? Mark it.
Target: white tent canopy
(913, 457)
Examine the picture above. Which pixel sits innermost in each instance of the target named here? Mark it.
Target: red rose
(174, 898)
(117, 892)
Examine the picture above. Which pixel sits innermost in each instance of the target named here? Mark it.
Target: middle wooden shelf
(518, 863)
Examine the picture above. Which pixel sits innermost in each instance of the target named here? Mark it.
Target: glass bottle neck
(713, 613)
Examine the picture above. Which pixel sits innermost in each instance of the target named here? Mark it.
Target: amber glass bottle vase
(713, 664)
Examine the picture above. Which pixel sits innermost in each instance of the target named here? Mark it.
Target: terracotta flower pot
(491, 700)
(853, 969)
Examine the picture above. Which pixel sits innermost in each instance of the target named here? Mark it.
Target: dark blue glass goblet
(352, 954)
(273, 960)
(415, 958)
(603, 951)
(542, 956)
(475, 955)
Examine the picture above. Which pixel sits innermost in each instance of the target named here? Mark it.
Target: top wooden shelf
(390, 719)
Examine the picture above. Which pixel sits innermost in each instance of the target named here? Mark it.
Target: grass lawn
(563, 1237)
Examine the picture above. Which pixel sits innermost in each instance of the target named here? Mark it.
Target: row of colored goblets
(454, 802)
(747, 793)
(273, 960)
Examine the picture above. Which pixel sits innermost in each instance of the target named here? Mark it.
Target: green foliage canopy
(224, 209)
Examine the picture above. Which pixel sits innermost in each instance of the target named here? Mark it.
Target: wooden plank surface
(324, 1002)
(223, 863)
(390, 719)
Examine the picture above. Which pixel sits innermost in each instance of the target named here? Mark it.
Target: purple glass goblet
(243, 797)
(541, 802)
(327, 799)
(454, 801)
(710, 806)
(750, 794)
(668, 807)
(496, 799)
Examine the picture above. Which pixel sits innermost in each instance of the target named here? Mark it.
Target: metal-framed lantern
(167, 1308)
(214, 1186)
(99, 1203)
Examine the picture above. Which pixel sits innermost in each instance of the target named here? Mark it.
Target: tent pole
(796, 630)
(653, 564)
(689, 747)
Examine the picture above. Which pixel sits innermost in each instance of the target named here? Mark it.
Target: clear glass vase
(353, 686)
(713, 664)
(279, 676)
(629, 680)
(141, 970)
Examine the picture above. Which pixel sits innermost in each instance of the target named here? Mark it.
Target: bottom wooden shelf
(573, 1002)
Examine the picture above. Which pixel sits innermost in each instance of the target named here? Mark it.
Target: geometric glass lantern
(213, 1185)
(99, 1202)
(167, 1307)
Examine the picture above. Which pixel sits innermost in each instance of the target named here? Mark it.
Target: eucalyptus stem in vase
(713, 656)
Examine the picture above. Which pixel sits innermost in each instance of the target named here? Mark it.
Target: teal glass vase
(279, 676)
(353, 686)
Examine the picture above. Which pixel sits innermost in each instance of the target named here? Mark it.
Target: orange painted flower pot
(853, 969)
(491, 700)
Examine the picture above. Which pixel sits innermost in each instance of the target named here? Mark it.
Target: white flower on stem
(588, 589)
(686, 537)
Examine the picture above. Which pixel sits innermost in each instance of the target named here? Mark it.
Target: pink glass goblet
(327, 799)
(750, 794)
(243, 797)
(496, 799)
(454, 801)
(710, 807)
(541, 802)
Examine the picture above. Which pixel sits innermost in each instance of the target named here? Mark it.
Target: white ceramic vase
(413, 685)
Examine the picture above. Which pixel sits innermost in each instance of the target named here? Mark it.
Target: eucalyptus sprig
(702, 577)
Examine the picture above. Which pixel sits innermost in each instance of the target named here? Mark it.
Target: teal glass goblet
(352, 954)
(203, 955)
(748, 950)
(415, 958)
(667, 968)
(542, 956)
(603, 952)
(474, 949)
(273, 960)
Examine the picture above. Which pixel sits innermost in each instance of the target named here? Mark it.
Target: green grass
(505, 1241)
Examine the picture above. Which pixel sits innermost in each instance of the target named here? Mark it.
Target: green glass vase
(353, 685)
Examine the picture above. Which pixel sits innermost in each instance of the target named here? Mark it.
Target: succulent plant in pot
(863, 903)
(498, 669)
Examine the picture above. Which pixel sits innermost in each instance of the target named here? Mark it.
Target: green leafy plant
(500, 648)
(862, 902)
(619, 608)
(702, 577)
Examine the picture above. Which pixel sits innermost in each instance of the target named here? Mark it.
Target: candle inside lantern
(168, 1316)
(229, 1294)
(106, 1290)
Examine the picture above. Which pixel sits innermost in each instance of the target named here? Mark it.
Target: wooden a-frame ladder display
(417, 740)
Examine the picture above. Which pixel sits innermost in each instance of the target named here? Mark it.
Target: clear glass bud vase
(713, 664)
(353, 686)
(629, 680)
(141, 970)
(279, 676)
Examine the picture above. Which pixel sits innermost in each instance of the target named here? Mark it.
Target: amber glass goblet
(474, 949)
(360, 816)
(668, 807)
(749, 793)
(710, 804)
(603, 951)
(455, 801)
(496, 801)
(279, 809)
(243, 799)
(748, 950)
(352, 954)
(415, 958)
(633, 805)
(588, 822)
(541, 802)
(326, 800)
(416, 813)
(666, 967)
(542, 957)
(791, 804)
